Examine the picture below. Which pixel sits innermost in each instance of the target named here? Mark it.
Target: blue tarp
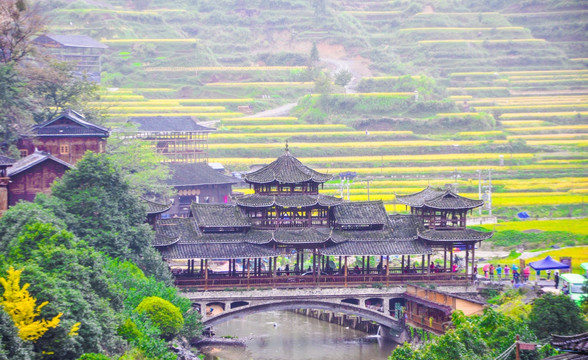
(548, 264)
(523, 215)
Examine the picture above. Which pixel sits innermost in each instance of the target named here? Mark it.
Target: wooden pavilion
(287, 216)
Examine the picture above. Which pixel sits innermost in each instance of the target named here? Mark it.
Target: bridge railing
(310, 281)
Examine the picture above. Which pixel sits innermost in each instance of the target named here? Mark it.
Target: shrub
(163, 314)
(93, 356)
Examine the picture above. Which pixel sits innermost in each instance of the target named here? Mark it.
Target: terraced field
(502, 89)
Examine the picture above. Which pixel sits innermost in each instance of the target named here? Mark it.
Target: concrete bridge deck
(369, 303)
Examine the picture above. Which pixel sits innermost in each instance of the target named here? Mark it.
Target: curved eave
(456, 235)
(477, 204)
(164, 241)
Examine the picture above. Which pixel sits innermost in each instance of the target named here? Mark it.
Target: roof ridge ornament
(286, 149)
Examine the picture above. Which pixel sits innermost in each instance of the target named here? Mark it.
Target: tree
(23, 309)
(38, 88)
(323, 84)
(556, 314)
(105, 213)
(19, 24)
(163, 314)
(12, 347)
(59, 87)
(343, 77)
(143, 167)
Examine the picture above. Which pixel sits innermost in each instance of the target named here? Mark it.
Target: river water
(284, 335)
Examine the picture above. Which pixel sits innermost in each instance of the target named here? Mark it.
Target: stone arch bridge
(371, 304)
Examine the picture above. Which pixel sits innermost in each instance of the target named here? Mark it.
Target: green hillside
(500, 85)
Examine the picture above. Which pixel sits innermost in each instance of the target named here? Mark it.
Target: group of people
(438, 269)
(517, 277)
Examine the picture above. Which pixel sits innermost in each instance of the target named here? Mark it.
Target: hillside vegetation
(439, 89)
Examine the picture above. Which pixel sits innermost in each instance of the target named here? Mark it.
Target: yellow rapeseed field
(111, 41)
(223, 68)
(200, 114)
(261, 84)
(542, 114)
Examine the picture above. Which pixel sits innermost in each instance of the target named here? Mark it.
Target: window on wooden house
(23, 153)
(64, 149)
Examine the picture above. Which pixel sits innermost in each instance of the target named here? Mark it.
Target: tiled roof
(155, 207)
(438, 199)
(193, 174)
(352, 248)
(286, 170)
(168, 123)
(78, 126)
(305, 235)
(32, 160)
(574, 343)
(5, 161)
(76, 41)
(286, 201)
(170, 231)
(251, 236)
(217, 251)
(360, 213)
(218, 215)
(405, 226)
(457, 235)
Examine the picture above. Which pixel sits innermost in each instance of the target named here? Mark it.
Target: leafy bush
(163, 314)
(93, 356)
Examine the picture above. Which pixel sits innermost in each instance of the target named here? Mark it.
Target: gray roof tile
(286, 201)
(361, 213)
(218, 216)
(168, 123)
(286, 170)
(194, 174)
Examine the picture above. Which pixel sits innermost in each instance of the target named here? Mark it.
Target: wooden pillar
(363, 264)
(467, 262)
(387, 271)
(451, 258)
(201, 265)
(429, 260)
(270, 265)
(445, 259)
(402, 265)
(314, 264)
(318, 275)
(422, 264)
(346, 270)
(339, 264)
(368, 265)
(473, 259)
(243, 265)
(248, 272)
(408, 264)
(206, 275)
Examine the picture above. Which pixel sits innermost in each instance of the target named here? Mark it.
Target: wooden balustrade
(223, 281)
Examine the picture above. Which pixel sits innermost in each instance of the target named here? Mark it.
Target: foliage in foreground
(57, 244)
(476, 337)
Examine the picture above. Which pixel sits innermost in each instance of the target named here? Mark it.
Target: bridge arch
(349, 309)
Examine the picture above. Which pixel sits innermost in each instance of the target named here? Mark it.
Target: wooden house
(67, 136)
(34, 174)
(5, 164)
(179, 138)
(83, 51)
(198, 183)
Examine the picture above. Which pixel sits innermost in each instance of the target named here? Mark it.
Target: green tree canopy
(556, 314)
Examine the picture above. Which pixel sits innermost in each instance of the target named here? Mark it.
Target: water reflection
(283, 335)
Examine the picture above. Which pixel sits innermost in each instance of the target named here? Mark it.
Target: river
(284, 335)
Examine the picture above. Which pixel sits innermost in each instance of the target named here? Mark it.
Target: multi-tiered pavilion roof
(287, 215)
